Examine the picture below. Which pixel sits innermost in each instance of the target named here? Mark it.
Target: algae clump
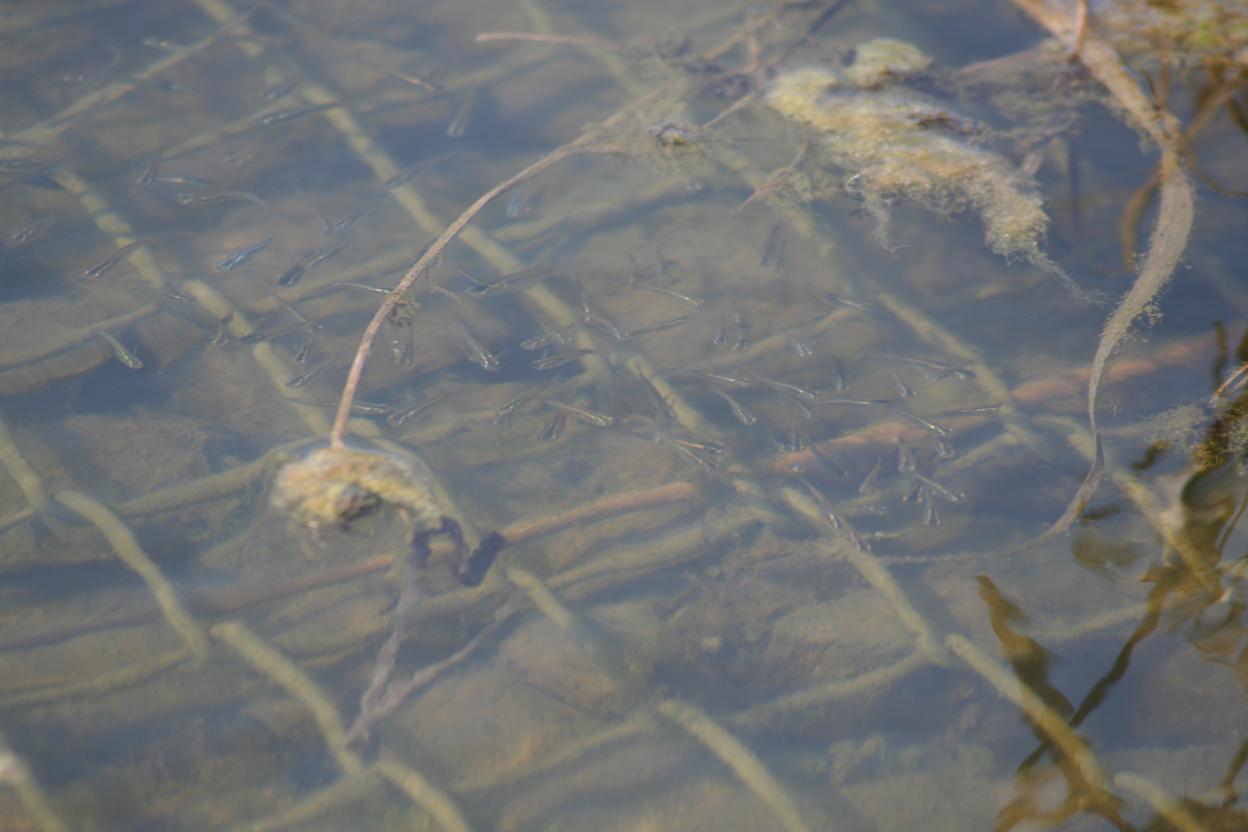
(897, 144)
(333, 486)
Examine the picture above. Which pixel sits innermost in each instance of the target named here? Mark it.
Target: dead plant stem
(583, 144)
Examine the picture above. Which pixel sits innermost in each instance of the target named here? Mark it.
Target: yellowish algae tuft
(881, 60)
(894, 144)
(332, 486)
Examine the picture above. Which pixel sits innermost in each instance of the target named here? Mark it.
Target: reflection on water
(697, 482)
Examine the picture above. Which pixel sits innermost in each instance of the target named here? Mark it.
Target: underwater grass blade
(1166, 244)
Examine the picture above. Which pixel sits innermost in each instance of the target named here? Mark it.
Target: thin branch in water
(1081, 30)
(584, 144)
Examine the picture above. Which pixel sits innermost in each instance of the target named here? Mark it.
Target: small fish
(401, 416)
(662, 408)
(477, 353)
(712, 449)
(292, 275)
(592, 317)
(872, 479)
(533, 274)
(504, 411)
(611, 329)
(380, 290)
(940, 490)
(739, 410)
(445, 292)
(634, 271)
(588, 313)
(174, 296)
(404, 175)
(183, 181)
(841, 523)
(367, 408)
(773, 250)
(839, 384)
(743, 332)
(548, 337)
(940, 370)
(114, 258)
(401, 346)
(856, 402)
(293, 113)
(363, 408)
(169, 85)
(517, 204)
(188, 200)
(238, 258)
(903, 390)
(827, 461)
(731, 381)
(849, 303)
(661, 437)
(122, 354)
(801, 349)
(300, 379)
(162, 45)
(22, 165)
(278, 90)
(971, 411)
(721, 334)
(150, 171)
(305, 350)
(657, 327)
(940, 430)
(458, 125)
(32, 231)
(342, 239)
(553, 361)
(807, 411)
(591, 417)
(407, 78)
(271, 334)
(554, 426)
(223, 335)
(838, 522)
(905, 459)
(683, 298)
(786, 387)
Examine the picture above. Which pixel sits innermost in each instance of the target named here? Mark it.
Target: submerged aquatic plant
(891, 143)
(331, 486)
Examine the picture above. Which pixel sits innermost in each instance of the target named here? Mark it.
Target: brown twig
(584, 144)
(1081, 30)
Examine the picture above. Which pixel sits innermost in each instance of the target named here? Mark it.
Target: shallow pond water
(707, 478)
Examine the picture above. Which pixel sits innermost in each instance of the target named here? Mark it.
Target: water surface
(771, 527)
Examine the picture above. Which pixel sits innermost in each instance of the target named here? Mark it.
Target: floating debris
(330, 487)
(884, 139)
